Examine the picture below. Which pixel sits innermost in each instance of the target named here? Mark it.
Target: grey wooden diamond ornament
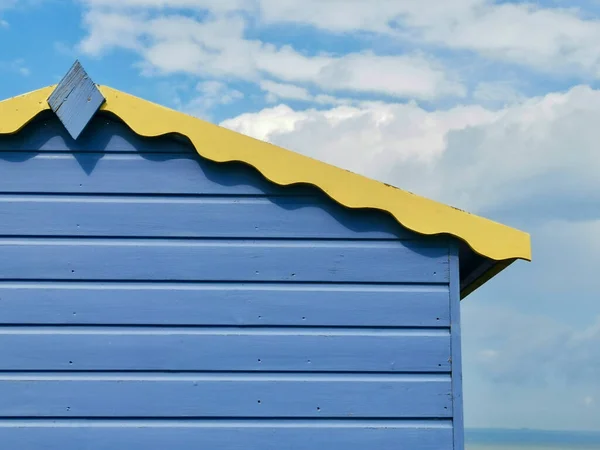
(75, 100)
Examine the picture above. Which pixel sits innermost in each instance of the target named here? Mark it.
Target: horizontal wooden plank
(263, 217)
(225, 396)
(224, 304)
(132, 174)
(293, 349)
(223, 435)
(102, 134)
(173, 260)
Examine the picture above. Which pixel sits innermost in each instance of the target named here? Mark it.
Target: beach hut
(168, 283)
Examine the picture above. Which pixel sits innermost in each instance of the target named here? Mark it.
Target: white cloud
(541, 37)
(555, 39)
(276, 91)
(356, 15)
(209, 93)
(110, 30)
(552, 39)
(217, 47)
(220, 6)
(538, 156)
(395, 143)
(542, 151)
(503, 93)
(219, 91)
(278, 120)
(4, 23)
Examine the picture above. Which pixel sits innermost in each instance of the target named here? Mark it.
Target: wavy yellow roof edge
(284, 167)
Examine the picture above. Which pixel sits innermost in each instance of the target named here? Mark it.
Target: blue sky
(490, 106)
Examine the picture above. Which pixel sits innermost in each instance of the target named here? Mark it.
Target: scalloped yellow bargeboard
(489, 239)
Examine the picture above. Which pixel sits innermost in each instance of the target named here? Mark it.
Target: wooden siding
(225, 434)
(150, 299)
(456, 349)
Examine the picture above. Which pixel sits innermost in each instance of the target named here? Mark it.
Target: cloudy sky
(493, 107)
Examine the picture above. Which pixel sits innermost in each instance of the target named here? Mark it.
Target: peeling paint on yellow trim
(284, 167)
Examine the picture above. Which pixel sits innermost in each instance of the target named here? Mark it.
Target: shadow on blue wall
(107, 134)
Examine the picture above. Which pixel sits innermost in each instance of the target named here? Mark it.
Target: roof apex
(75, 100)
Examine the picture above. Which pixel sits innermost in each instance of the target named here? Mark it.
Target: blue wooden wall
(150, 300)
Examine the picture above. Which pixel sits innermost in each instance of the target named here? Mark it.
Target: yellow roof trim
(284, 167)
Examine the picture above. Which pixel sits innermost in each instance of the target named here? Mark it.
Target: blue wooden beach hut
(167, 283)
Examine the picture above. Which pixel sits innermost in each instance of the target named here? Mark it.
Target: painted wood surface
(101, 173)
(225, 435)
(141, 282)
(224, 304)
(456, 350)
(75, 100)
(197, 217)
(224, 395)
(209, 349)
(103, 134)
(224, 260)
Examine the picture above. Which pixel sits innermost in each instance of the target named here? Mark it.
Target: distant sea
(525, 439)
